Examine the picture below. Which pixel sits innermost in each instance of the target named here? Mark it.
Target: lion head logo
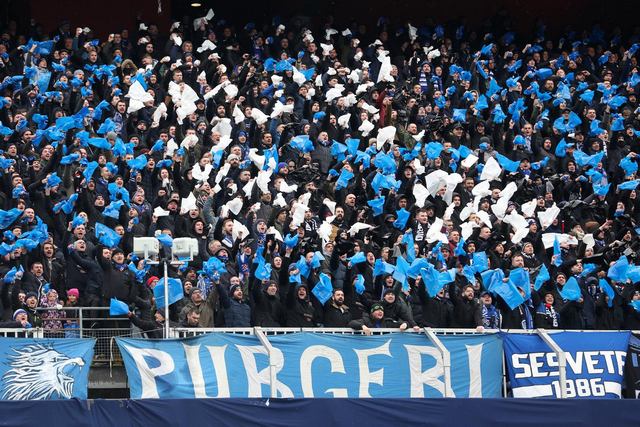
(37, 372)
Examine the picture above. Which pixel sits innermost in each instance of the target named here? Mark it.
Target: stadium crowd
(392, 176)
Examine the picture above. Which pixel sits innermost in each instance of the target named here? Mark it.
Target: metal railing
(21, 333)
(90, 322)
(95, 322)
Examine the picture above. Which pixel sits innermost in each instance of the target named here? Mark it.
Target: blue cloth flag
(402, 218)
(377, 205)
(118, 308)
(106, 235)
(323, 289)
(618, 271)
(165, 240)
(571, 290)
(543, 276)
(176, 292)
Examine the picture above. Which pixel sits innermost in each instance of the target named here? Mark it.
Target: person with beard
(437, 312)
(397, 310)
(336, 312)
(467, 312)
(237, 311)
(268, 310)
(167, 222)
(84, 274)
(266, 209)
(204, 308)
(119, 282)
(34, 280)
(300, 311)
(52, 265)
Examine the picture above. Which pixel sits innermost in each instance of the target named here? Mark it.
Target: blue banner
(595, 364)
(42, 369)
(312, 365)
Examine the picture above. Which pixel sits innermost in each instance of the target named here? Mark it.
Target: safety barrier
(91, 322)
(94, 322)
(431, 334)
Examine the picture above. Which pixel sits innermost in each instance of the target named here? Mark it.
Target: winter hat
(387, 291)
(376, 307)
(151, 279)
(29, 295)
(116, 251)
(233, 288)
(18, 311)
(73, 292)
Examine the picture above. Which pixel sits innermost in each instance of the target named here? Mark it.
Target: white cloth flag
(491, 170)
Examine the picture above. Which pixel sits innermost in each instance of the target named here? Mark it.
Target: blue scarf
(490, 317)
(527, 322)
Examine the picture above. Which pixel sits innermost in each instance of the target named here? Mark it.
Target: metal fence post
(446, 358)
(272, 367)
(80, 322)
(562, 360)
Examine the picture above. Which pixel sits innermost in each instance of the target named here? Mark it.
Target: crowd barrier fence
(94, 322)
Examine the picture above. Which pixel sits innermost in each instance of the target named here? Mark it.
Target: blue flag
(317, 258)
(377, 204)
(400, 273)
(359, 284)
(263, 271)
(508, 164)
(106, 235)
(9, 217)
(629, 185)
(543, 276)
(402, 218)
(407, 239)
(608, 290)
(175, 292)
(520, 278)
(323, 289)
(291, 240)
(213, 265)
(480, 262)
(629, 166)
(57, 368)
(557, 252)
(165, 240)
(118, 308)
(507, 291)
(618, 271)
(571, 290)
(431, 280)
(381, 267)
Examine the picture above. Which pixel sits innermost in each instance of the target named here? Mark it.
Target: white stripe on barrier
(613, 388)
(533, 391)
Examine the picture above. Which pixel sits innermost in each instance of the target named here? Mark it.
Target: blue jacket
(237, 314)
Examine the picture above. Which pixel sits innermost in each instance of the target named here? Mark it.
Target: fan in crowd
(395, 176)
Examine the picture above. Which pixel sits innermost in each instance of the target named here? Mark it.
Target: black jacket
(268, 311)
(336, 317)
(120, 284)
(237, 314)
